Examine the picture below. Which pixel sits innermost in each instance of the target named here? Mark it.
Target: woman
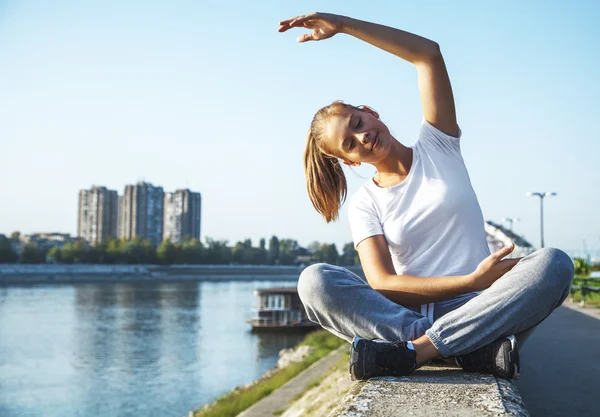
(432, 288)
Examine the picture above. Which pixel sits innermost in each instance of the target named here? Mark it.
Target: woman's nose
(365, 138)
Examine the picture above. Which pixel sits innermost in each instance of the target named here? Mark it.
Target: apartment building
(141, 211)
(97, 214)
(182, 215)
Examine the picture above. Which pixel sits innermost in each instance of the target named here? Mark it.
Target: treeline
(191, 251)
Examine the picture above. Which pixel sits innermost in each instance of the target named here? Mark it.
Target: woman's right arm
(435, 89)
(411, 290)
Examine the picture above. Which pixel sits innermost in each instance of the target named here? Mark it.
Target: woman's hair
(325, 179)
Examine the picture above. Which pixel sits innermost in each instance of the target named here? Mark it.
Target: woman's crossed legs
(343, 303)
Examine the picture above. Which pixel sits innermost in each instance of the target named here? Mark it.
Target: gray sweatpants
(346, 305)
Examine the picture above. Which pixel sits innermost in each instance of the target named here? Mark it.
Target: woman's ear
(369, 110)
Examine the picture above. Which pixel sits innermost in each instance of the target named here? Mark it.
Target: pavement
(560, 364)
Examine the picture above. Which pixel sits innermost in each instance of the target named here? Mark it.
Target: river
(135, 349)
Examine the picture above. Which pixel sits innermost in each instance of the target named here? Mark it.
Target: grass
(237, 401)
(591, 299)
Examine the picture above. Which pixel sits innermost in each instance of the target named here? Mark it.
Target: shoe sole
(513, 355)
(356, 350)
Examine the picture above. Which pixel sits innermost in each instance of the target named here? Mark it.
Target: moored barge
(280, 309)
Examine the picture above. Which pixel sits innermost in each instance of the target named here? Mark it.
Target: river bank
(307, 358)
(20, 274)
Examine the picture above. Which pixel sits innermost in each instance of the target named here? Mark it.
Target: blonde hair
(325, 179)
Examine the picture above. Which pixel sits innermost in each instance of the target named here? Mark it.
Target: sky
(207, 95)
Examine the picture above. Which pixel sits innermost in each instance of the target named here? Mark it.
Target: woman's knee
(558, 264)
(312, 283)
(558, 260)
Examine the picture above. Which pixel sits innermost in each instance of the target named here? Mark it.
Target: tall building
(182, 215)
(141, 212)
(97, 216)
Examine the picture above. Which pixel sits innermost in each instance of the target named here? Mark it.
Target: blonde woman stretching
(432, 288)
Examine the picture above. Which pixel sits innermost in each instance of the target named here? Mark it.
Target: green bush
(582, 267)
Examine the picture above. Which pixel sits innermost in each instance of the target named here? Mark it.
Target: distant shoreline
(20, 274)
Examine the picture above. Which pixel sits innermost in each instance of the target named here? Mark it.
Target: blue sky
(208, 95)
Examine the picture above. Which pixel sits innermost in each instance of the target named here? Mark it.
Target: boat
(280, 309)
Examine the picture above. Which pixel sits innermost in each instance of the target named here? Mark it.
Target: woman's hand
(492, 268)
(324, 25)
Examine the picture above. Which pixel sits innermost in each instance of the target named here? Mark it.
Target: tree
(273, 257)
(166, 253)
(582, 267)
(68, 253)
(244, 253)
(262, 256)
(149, 252)
(137, 251)
(96, 254)
(53, 255)
(32, 254)
(331, 254)
(81, 251)
(7, 254)
(16, 235)
(238, 253)
(288, 251)
(217, 251)
(114, 251)
(349, 255)
(191, 252)
(318, 251)
(314, 248)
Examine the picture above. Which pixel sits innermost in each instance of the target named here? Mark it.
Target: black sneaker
(500, 358)
(369, 358)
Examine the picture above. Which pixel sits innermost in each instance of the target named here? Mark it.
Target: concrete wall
(18, 274)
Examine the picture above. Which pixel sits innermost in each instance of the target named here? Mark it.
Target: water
(129, 349)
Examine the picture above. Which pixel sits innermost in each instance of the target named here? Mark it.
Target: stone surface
(432, 391)
(288, 356)
(321, 399)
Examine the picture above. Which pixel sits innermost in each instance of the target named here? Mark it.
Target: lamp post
(541, 196)
(510, 221)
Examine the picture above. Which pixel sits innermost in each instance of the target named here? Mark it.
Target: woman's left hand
(324, 25)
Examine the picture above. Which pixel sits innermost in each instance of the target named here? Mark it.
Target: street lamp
(510, 221)
(541, 196)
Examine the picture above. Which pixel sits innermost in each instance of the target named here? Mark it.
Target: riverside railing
(585, 289)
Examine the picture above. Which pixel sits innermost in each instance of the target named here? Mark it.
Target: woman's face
(356, 136)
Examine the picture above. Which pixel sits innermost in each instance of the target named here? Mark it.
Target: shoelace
(478, 360)
(390, 355)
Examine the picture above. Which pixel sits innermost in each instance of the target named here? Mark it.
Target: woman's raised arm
(434, 84)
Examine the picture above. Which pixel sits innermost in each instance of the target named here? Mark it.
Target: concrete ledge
(35, 274)
(433, 391)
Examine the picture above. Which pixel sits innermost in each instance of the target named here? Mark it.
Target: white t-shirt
(432, 220)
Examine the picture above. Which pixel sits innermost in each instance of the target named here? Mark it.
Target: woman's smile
(375, 141)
